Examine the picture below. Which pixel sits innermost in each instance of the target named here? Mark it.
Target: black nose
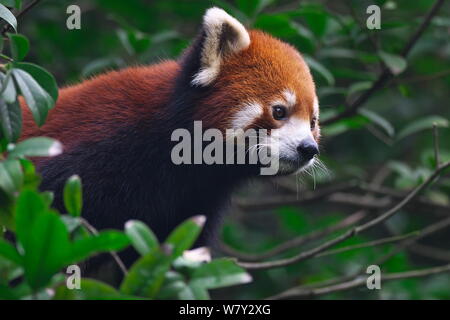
(307, 149)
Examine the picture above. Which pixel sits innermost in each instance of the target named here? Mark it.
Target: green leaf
(73, 196)
(219, 273)
(11, 177)
(7, 15)
(9, 93)
(184, 236)
(45, 79)
(147, 275)
(105, 241)
(12, 3)
(252, 7)
(36, 147)
(31, 179)
(315, 17)
(48, 197)
(319, 68)
(175, 287)
(9, 270)
(46, 249)
(10, 120)
(359, 86)
(278, 25)
(9, 252)
(71, 222)
(142, 238)
(422, 124)
(395, 63)
(345, 125)
(29, 206)
(8, 3)
(90, 289)
(19, 46)
(38, 100)
(199, 292)
(378, 120)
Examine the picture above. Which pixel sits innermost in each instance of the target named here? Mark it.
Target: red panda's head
(248, 79)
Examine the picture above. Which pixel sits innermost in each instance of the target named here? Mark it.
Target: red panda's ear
(222, 35)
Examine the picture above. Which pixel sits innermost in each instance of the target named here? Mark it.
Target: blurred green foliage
(393, 129)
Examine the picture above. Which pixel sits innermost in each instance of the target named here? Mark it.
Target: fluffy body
(116, 127)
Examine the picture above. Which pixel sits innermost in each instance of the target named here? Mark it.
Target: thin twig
(426, 77)
(359, 282)
(377, 180)
(114, 255)
(367, 201)
(295, 242)
(368, 244)
(386, 74)
(437, 156)
(431, 229)
(352, 232)
(397, 194)
(5, 57)
(430, 252)
(273, 202)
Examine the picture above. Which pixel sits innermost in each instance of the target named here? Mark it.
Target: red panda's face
(258, 82)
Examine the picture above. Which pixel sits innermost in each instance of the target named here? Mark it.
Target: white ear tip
(215, 11)
(215, 14)
(215, 17)
(214, 21)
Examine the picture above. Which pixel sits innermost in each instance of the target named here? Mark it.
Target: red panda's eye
(313, 123)
(279, 112)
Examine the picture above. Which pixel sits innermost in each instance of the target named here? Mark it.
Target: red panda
(116, 128)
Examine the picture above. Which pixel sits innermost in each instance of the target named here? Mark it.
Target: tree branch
(114, 255)
(295, 242)
(352, 232)
(273, 202)
(386, 74)
(430, 252)
(431, 229)
(367, 201)
(437, 156)
(358, 282)
(368, 244)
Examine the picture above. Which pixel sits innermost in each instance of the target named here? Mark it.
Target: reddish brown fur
(260, 73)
(92, 110)
(127, 174)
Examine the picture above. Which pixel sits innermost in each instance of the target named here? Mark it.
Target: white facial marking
(248, 113)
(211, 56)
(290, 97)
(316, 107)
(289, 136)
